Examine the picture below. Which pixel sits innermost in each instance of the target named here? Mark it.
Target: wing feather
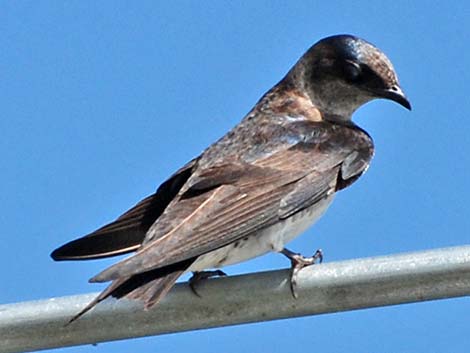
(127, 232)
(222, 204)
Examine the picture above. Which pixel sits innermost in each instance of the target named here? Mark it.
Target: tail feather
(150, 287)
(155, 290)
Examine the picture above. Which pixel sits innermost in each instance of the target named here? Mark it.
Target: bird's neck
(287, 100)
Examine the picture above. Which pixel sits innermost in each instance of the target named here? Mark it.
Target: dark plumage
(260, 185)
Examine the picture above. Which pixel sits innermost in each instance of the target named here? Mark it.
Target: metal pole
(331, 287)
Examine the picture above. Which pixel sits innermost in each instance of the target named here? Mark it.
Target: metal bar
(331, 287)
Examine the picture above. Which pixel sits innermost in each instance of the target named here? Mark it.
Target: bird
(259, 186)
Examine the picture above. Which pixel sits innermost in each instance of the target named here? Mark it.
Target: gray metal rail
(330, 287)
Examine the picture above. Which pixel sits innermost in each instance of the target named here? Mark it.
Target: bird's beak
(396, 94)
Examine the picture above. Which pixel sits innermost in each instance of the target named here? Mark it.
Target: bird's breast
(272, 238)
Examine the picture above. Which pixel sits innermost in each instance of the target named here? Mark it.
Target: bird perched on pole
(259, 186)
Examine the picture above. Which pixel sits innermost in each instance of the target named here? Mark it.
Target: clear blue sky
(101, 102)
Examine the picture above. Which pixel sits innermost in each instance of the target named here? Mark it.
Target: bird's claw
(201, 276)
(298, 262)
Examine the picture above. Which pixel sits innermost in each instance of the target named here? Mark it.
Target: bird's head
(342, 72)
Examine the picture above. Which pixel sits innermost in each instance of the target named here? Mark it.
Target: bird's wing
(127, 232)
(228, 202)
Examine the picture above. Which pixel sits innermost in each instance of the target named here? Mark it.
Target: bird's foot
(201, 276)
(298, 262)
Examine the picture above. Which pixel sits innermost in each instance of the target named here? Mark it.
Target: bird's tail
(149, 287)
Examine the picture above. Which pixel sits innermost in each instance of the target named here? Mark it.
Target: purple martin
(259, 186)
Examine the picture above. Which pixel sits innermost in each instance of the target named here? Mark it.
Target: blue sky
(100, 102)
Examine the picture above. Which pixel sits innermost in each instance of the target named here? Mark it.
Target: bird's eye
(352, 71)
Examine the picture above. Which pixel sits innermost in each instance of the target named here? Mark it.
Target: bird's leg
(298, 262)
(201, 276)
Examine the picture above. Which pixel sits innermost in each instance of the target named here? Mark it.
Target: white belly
(269, 239)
